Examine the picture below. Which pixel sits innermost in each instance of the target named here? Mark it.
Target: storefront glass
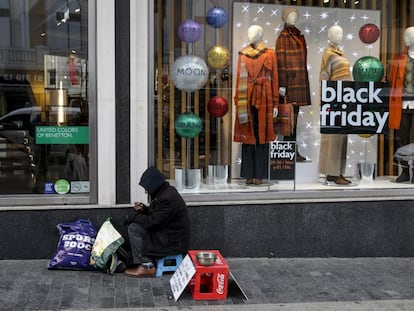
(44, 119)
(221, 67)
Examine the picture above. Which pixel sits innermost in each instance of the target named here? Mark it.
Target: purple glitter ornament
(189, 31)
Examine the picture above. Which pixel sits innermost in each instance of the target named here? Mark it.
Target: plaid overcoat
(291, 54)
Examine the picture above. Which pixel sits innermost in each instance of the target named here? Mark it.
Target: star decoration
(323, 28)
(324, 15)
(307, 15)
(307, 30)
(245, 8)
(364, 17)
(277, 29)
(349, 36)
(274, 12)
(352, 18)
(260, 9)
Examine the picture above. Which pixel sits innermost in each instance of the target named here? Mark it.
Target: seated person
(157, 230)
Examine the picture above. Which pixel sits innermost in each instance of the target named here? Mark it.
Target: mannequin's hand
(282, 91)
(275, 112)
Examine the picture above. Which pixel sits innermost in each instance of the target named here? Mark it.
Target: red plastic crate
(209, 282)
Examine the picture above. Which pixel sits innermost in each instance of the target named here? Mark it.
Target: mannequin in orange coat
(256, 101)
(401, 79)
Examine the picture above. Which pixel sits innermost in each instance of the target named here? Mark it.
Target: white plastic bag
(107, 242)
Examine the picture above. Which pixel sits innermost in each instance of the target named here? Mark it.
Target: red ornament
(369, 33)
(217, 106)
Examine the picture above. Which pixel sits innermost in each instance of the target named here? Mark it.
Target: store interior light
(325, 1)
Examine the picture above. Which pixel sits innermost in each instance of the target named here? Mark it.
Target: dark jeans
(255, 158)
(136, 235)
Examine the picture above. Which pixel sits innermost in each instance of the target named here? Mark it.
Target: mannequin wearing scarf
(333, 147)
(291, 53)
(256, 101)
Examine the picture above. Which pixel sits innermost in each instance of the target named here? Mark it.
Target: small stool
(168, 264)
(209, 282)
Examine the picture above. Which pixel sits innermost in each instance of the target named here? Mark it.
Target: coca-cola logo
(220, 283)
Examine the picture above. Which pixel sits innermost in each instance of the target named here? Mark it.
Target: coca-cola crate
(209, 282)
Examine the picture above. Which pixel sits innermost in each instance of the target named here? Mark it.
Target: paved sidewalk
(270, 284)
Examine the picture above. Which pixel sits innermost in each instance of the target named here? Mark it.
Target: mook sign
(353, 107)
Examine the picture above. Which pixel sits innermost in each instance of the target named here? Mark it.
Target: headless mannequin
(407, 119)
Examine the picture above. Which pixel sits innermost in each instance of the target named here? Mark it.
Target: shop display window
(44, 114)
(215, 60)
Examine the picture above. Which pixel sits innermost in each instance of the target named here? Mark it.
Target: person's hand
(138, 206)
(275, 112)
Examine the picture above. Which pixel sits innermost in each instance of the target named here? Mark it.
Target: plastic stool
(168, 264)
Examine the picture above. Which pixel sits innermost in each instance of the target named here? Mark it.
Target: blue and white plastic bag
(74, 246)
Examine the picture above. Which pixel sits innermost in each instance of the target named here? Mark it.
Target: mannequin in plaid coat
(291, 54)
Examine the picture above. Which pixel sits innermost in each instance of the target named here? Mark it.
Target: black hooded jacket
(166, 219)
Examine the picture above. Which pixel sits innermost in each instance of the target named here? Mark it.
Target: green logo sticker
(62, 186)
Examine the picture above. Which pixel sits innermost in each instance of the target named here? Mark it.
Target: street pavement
(358, 284)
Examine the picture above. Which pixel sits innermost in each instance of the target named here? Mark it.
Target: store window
(44, 119)
(222, 67)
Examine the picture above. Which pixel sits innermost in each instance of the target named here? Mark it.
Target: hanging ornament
(368, 68)
(216, 17)
(369, 33)
(189, 73)
(218, 57)
(188, 125)
(189, 31)
(217, 106)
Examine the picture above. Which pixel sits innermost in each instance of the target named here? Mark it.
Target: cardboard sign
(182, 276)
(282, 160)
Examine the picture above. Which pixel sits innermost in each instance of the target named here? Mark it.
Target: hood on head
(152, 180)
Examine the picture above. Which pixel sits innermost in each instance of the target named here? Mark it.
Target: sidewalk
(270, 284)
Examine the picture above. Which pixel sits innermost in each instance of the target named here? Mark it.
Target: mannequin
(291, 54)
(402, 98)
(256, 105)
(334, 66)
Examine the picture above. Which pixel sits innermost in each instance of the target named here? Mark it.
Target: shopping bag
(285, 119)
(74, 246)
(107, 242)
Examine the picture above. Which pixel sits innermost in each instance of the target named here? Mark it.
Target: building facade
(92, 93)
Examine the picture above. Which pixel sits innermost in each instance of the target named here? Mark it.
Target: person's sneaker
(140, 271)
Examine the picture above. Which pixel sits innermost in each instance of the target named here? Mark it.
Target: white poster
(182, 277)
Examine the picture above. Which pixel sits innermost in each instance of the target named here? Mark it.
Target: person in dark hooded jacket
(157, 230)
